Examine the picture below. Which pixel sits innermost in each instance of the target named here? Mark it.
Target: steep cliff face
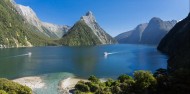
(29, 15)
(156, 30)
(135, 36)
(148, 33)
(90, 20)
(14, 32)
(58, 30)
(177, 45)
(50, 30)
(86, 32)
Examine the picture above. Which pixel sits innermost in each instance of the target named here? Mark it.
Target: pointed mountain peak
(88, 28)
(88, 18)
(155, 20)
(89, 13)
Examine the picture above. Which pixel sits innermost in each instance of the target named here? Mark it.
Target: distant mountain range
(20, 27)
(147, 33)
(87, 32)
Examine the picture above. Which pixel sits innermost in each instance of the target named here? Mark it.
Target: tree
(3, 92)
(81, 86)
(109, 82)
(93, 87)
(116, 90)
(144, 80)
(124, 78)
(13, 88)
(93, 79)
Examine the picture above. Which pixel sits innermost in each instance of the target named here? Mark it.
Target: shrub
(13, 88)
(3, 92)
(144, 80)
(109, 82)
(82, 86)
(143, 83)
(93, 79)
(124, 78)
(116, 90)
(93, 87)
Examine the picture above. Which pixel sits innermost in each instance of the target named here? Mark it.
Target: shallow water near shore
(52, 83)
(83, 62)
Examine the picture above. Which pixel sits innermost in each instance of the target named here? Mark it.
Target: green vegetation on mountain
(15, 32)
(10, 87)
(80, 35)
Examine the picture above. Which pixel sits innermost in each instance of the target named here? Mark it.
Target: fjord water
(82, 62)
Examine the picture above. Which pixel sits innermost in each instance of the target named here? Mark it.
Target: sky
(114, 16)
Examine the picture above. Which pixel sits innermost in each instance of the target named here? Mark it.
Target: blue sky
(114, 16)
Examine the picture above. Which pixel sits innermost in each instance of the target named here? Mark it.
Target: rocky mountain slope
(14, 32)
(133, 36)
(149, 33)
(58, 30)
(156, 30)
(50, 30)
(86, 32)
(176, 44)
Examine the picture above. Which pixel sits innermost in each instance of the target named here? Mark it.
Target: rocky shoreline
(64, 87)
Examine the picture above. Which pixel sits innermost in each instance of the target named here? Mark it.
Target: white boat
(106, 53)
(29, 54)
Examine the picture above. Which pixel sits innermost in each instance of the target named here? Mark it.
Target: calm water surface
(82, 62)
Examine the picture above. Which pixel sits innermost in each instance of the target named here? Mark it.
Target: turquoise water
(81, 62)
(52, 82)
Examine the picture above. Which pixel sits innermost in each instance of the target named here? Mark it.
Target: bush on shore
(10, 87)
(143, 82)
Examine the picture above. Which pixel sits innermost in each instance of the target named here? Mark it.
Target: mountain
(133, 36)
(58, 30)
(87, 32)
(123, 35)
(14, 32)
(156, 30)
(176, 44)
(148, 33)
(50, 30)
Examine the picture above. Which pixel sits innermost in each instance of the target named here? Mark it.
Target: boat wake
(28, 54)
(106, 54)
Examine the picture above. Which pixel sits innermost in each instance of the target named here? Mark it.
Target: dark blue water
(82, 62)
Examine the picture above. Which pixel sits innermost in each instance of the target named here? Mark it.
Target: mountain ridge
(49, 29)
(14, 32)
(87, 26)
(148, 33)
